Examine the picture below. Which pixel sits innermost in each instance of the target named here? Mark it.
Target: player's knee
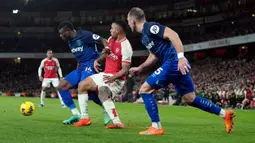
(146, 88)
(63, 85)
(44, 88)
(104, 93)
(83, 87)
(189, 98)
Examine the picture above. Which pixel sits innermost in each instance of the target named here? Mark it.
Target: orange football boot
(116, 126)
(229, 120)
(83, 122)
(153, 132)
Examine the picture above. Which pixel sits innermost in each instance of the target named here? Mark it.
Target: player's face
(131, 23)
(49, 54)
(65, 34)
(114, 30)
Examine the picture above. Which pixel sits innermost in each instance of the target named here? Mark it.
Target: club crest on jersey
(78, 49)
(154, 29)
(117, 50)
(78, 42)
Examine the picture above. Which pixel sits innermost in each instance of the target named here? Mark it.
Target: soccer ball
(27, 108)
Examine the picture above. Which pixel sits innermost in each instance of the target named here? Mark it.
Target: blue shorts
(168, 73)
(78, 75)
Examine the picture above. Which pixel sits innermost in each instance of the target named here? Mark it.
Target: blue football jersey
(153, 39)
(84, 47)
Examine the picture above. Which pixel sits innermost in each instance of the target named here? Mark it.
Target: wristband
(180, 55)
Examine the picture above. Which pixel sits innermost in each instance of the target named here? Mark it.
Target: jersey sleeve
(91, 37)
(127, 52)
(40, 68)
(155, 29)
(59, 68)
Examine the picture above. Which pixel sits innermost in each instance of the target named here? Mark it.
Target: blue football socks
(206, 105)
(67, 99)
(151, 106)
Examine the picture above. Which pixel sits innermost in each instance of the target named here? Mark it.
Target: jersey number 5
(158, 71)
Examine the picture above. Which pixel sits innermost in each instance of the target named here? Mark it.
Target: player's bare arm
(121, 73)
(171, 35)
(150, 61)
(103, 54)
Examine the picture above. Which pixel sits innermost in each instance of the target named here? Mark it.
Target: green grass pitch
(181, 124)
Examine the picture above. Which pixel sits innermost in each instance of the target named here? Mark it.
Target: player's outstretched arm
(150, 61)
(171, 35)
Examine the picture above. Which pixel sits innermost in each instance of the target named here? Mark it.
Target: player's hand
(135, 70)
(109, 79)
(96, 66)
(183, 66)
(41, 78)
(61, 78)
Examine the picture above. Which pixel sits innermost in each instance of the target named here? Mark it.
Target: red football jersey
(50, 68)
(121, 51)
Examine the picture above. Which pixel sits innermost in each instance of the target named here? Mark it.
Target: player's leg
(83, 97)
(92, 94)
(71, 80)
(106, 93)
(55, 83)
(146, 92)
(45, 85)
(185, 88)
(244, 102)
(158, 79)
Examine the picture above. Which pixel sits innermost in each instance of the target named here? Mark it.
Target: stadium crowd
(224, 81)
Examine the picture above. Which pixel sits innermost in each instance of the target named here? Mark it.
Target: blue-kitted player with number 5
(165, 45)
(83, 45)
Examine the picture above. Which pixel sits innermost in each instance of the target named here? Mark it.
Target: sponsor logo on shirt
(150, 45)
(78, 49)
(113, 56)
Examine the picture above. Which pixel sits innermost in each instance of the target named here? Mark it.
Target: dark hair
(122, 24)
(49, 50)
(138, 13)
(66, 24)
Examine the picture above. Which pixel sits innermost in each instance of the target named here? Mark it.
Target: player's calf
(208, 106)
(151, 106)
(43, 94)
(63, 89)
(104, 94)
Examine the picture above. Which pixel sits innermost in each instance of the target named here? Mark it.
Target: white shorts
(47, 81)
(115, 87)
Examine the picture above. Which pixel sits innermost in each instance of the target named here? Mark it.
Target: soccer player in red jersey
(110, 82)
(51, 66)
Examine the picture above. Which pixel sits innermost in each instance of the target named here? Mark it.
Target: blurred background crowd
(224, 75)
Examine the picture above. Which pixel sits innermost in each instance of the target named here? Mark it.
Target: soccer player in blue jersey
(83, 45)
(166, 47)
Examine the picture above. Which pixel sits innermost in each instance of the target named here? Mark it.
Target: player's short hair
(122, 24)
(49, 50)
(66, 24)
(138, 13)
